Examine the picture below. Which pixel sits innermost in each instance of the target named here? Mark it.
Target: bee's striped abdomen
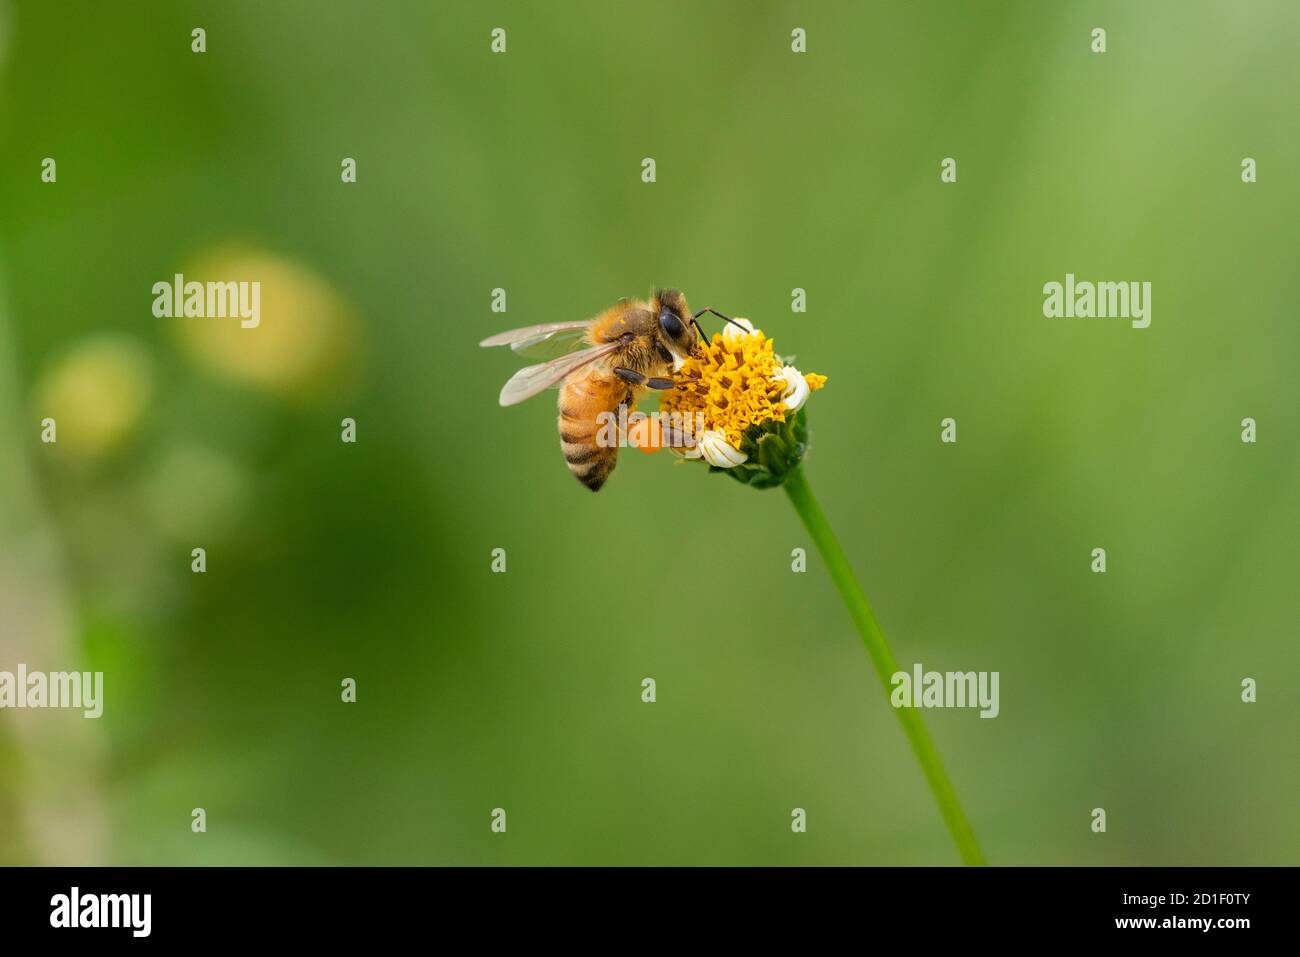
(582, 429)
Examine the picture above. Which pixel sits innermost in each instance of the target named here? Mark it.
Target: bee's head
(674, 324)
(677, 327)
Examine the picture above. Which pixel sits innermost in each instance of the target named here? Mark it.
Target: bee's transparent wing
(549, 345)
(541, 342)
(529, 381)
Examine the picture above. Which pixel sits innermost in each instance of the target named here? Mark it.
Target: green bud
(775, 449)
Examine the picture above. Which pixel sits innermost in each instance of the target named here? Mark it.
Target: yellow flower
(308, 341)
(735, 381)
(99, 395)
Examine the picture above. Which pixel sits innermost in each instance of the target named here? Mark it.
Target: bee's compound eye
(671, 325)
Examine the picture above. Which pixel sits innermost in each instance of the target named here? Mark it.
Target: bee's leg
(636, 378)
(674, 438)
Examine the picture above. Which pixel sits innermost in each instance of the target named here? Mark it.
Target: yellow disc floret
(734, 382)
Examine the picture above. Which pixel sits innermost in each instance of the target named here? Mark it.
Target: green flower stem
(796, 486)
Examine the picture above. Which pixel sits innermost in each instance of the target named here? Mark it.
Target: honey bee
(633, 346)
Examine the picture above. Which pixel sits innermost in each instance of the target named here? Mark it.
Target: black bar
(331, 906)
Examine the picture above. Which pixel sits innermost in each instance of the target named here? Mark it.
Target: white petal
(796, 388)
(718, 452)
(729, 331)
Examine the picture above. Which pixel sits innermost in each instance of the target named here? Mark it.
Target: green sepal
(774, 450)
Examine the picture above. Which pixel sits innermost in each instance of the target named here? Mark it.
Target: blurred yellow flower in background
(98, 394)
(306, 342)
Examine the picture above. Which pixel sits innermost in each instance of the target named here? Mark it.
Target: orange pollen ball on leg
(646, 434)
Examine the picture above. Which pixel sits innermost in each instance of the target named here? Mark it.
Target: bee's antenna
(695, 317)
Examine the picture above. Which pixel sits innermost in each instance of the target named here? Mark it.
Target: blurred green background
(522, 690)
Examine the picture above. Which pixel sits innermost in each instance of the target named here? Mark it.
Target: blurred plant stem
(796, 486)
(57, 778)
